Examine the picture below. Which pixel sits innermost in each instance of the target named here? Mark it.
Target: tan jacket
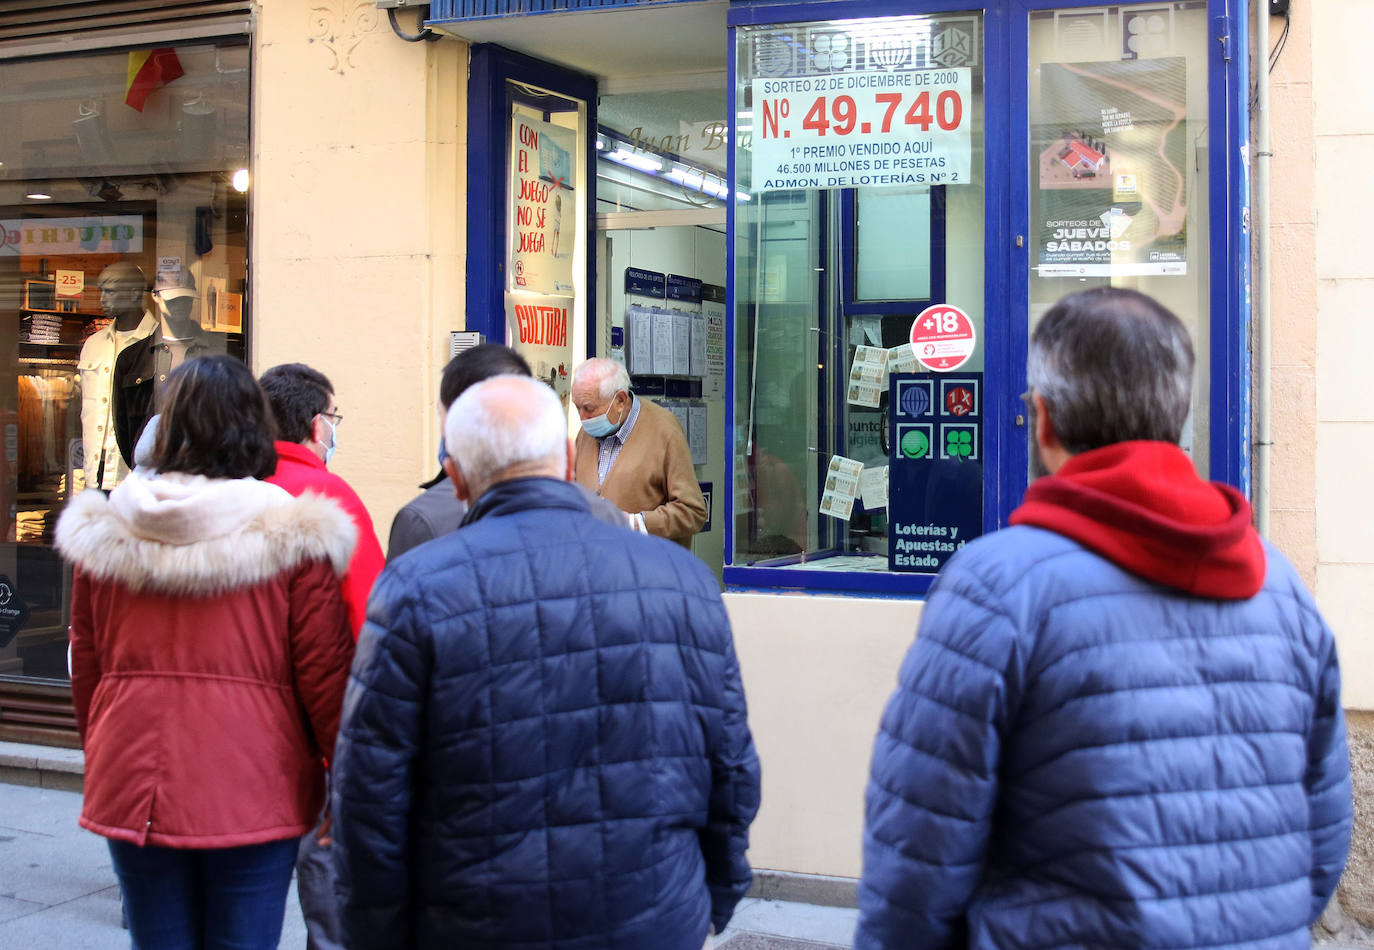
(653, 475)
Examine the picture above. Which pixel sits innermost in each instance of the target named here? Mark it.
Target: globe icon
(915, 400)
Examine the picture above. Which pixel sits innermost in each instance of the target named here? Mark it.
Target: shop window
(861, 145)
(882, 300)
(123, 251)
(1119, 145)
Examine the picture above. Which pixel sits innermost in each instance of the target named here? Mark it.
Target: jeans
(210, 899)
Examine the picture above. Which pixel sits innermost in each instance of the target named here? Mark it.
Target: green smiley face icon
(915, 445)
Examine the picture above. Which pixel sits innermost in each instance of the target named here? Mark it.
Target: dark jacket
(436, 511)
(433, 513)
(140, 372)
(1077, 755)
(544, 741)
(210, 649)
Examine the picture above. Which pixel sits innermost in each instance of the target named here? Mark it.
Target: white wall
(817, 673)
(1343, 122)
(357, 227)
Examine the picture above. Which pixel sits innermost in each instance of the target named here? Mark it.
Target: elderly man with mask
(122, 290)
(544, 740)
(635, 454)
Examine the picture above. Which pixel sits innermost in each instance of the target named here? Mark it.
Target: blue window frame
(1007, 262)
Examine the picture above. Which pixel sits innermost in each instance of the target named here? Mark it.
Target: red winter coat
(300, 470)
(210, 651)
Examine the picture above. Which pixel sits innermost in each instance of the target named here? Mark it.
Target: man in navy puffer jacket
(1120, 723)
(544, 743)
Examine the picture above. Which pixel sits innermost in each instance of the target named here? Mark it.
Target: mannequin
(141, 368)
(122, 290)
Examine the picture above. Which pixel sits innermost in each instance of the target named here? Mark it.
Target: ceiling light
(38, 196)
(240, 180)
(641, 162)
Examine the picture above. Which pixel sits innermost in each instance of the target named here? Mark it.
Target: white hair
(505, 421)
(613, 376)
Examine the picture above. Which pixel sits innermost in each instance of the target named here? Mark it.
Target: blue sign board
(645, 283)
(935, 468)
(687, 289)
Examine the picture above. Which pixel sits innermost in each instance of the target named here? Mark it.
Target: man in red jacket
(308, 419)
(308, 422)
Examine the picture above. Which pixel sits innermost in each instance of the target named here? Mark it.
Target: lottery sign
(863, 129)
(943, 338)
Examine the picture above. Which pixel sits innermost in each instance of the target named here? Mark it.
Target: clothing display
(42, 408)
(41, 328)
(141, 371)
(104, 466)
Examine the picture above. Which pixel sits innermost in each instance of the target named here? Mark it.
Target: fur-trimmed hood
(188, 534)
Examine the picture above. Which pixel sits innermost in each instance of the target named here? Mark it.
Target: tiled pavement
(58, 892)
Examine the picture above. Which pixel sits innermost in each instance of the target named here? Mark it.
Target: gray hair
(503, 422)
(612, 373)
(1112, 365)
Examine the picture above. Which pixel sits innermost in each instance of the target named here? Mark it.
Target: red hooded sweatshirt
(1142, 506)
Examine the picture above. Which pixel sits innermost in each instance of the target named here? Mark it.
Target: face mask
(598, 427)
(333, 441)
(443, 451)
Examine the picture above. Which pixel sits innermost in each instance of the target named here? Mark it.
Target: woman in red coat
(210, 650)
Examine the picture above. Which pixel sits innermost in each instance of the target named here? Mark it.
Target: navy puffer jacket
(544, 742)
(1075, 756)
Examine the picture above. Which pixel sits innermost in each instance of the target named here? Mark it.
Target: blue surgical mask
(333, 441)
(443, 451)
(598, 427)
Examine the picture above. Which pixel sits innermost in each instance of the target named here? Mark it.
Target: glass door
(662, 149)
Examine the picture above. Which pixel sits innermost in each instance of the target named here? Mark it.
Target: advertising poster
(537, 328)
(935, 468)
(713, 308)
(1111, 141)
(872, 128)
(543, 212)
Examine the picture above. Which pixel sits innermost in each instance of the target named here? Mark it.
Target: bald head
(503, 428)
(122, 286)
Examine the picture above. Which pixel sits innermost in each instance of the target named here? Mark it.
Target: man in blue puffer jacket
(544, 743)
(1120, 723)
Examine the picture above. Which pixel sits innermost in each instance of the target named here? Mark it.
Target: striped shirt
(608, 449)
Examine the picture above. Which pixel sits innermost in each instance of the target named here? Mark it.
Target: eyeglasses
(334, 417)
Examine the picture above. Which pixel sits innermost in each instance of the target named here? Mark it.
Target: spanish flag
(150, 69)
